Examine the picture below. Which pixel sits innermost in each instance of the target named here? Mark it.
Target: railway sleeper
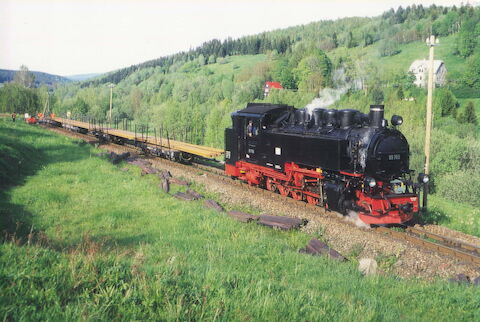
(316, 247)
(242, 216)
(213, 205)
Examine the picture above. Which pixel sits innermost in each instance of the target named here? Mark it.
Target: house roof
(273, 85)
(424, 63)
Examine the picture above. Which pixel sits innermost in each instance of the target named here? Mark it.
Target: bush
(449, 153)
(388, 48)
(248, 91)
(461, 186)
(452, 126)
(377, 96)
(313, 72)
(447, 102)
(468, 115)
(466, 92)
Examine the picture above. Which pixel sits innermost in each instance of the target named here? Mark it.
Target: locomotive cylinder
(376, 116)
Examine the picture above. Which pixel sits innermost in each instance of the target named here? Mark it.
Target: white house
(420, 69)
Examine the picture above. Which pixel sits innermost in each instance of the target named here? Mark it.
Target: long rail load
(159, 145)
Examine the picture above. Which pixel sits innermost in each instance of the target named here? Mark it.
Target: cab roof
(264, 108)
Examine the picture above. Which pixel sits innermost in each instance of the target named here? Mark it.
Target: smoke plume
(327, 96)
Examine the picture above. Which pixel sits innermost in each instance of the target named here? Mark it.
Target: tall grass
(100, 243)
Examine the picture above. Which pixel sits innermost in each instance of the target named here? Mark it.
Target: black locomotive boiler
(342, 160)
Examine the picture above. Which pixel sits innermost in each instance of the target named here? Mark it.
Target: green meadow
(82, 240)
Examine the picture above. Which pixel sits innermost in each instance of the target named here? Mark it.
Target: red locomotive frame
(378, 208)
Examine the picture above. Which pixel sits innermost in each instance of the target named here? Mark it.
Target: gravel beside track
(394, 256)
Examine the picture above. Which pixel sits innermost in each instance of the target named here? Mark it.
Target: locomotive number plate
(392, 157)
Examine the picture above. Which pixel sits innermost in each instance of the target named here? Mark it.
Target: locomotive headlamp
(423, 178)
(397, 120)
(371, 182)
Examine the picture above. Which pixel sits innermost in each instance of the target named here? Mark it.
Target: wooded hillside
(364, 60)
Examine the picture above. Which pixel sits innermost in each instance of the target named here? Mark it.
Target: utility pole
(46, 108)
(111, 96)
(47, 104)
(428, 124)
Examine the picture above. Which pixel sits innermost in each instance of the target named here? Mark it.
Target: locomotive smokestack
(376, 115)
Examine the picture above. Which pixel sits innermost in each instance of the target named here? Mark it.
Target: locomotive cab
(245, 140)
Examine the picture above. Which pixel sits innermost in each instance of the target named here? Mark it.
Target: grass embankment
(99, 243)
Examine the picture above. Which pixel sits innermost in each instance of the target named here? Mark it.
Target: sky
(78, 37)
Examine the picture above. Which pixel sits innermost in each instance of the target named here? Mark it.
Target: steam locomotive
(342, 160)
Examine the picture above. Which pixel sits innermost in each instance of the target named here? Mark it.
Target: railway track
(441, 244)
(421, 238)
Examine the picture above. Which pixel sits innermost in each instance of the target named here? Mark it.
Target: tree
(135, 100)
(471, 77)
(24, 77)
(283, 74)
(469, 115)
(399, 15)
(447, 103)
(377, 96)
(468, 36)
(400, 93)
(313, 72)
(367, 39)
(16, 98)
(335, 40)
(248, 91)
(212, 59)
(327, 44)
(388, 47)
(403, 80)
(80, 107)
(201, 60)
(350, 40)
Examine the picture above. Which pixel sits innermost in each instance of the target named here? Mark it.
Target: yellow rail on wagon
(203, 151)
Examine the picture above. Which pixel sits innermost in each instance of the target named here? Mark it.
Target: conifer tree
(447, 103)
(469, 116)
(400, 93)
(334, 39)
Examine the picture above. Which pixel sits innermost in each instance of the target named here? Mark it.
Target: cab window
(252, 128)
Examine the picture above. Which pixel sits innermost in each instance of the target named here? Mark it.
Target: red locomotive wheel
(284, 191)
(312, 200)
(271, 186)
(297, 195)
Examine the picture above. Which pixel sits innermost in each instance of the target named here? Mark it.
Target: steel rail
(455, 243)
(440, 248)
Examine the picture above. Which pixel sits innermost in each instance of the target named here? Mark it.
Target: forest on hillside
(363, 61)
(39, 79)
